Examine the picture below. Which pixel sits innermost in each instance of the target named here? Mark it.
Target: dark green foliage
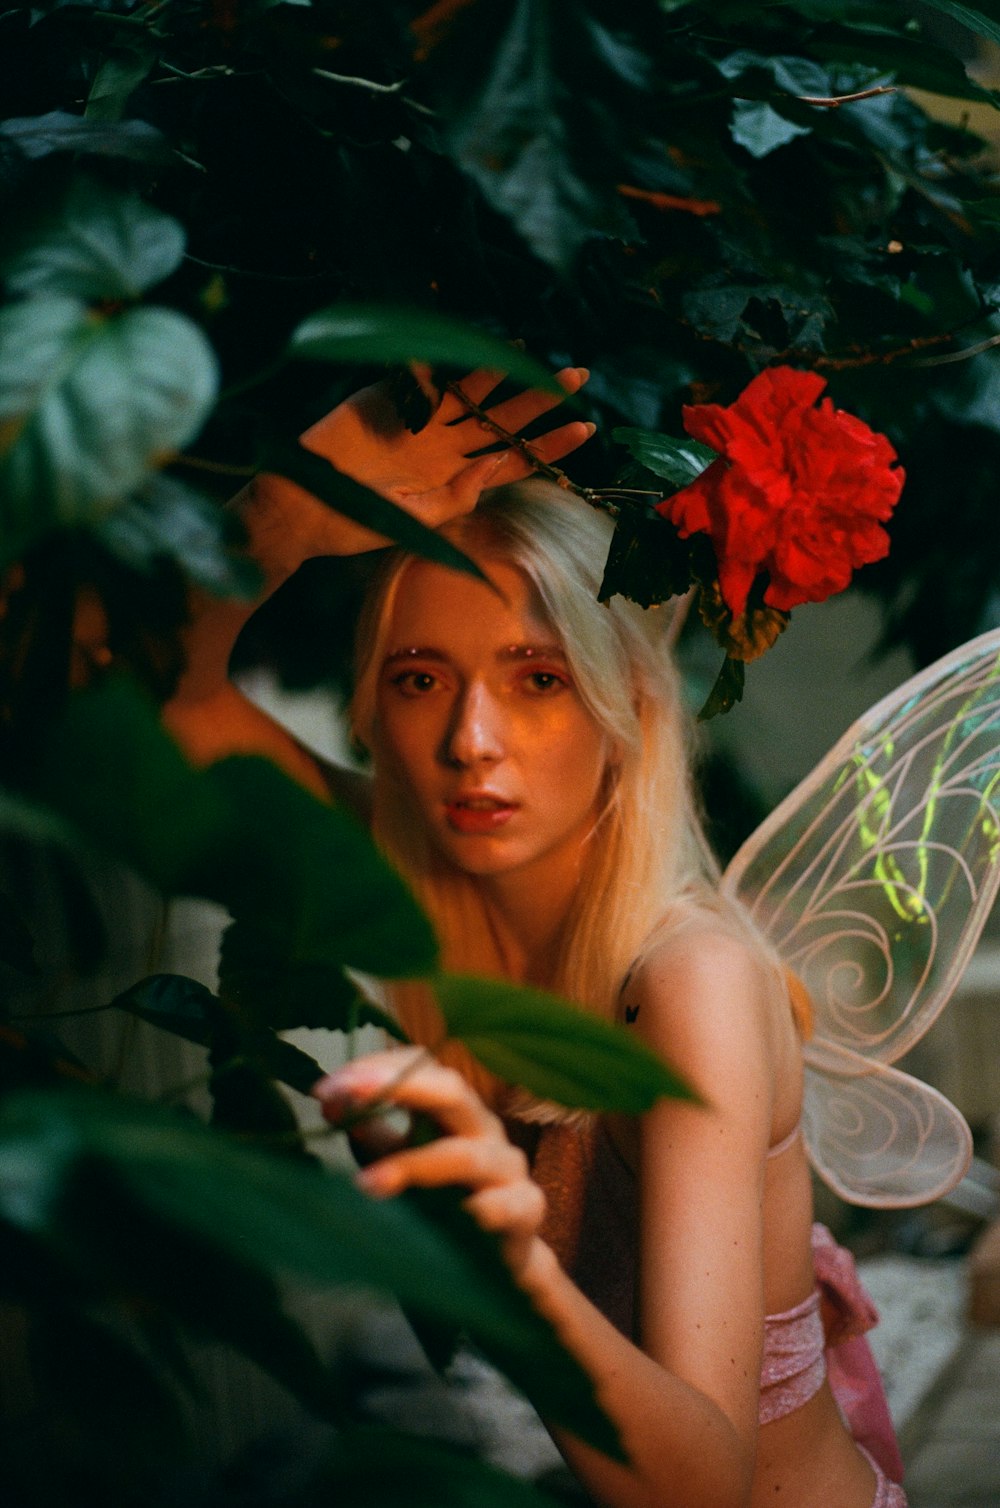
(217, 217)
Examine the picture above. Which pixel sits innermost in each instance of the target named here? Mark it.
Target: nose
(475, 733)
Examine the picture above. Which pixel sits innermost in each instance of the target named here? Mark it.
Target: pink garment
(887, 1494)
(794, 1364)
(853, 1373)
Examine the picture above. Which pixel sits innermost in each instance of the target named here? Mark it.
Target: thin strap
(785, 1142)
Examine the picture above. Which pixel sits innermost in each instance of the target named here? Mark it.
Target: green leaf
(17, 946)
(87, 406)
(678, 460)
(539, 113)
(976, 19)
(305, 877)
(167, 520)
(727, 690)
(647, 562)
(369, 1464)
(121, 72)
(287, 995)
(189, 1009)
(553, 1049)
(58, 131)
(359, 503)
(96, 244)
(101, 1179)
(370, 333)
(760, 129)
(311, 881)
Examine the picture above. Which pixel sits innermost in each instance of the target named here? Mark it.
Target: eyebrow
(512, 652)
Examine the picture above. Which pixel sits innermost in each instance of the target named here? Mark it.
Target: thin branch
(834, 101)
(217, 468)
(372, 87)
(963, 355)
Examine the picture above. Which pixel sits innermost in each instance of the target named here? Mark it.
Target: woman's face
(478, 718)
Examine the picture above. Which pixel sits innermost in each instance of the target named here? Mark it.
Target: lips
(478, 813)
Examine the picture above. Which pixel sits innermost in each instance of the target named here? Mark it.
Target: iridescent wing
(873, 880)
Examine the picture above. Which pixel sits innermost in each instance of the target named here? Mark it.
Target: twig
(370, 84)
(834, 101)
(597, 497)
(963, 355)
(218, 468)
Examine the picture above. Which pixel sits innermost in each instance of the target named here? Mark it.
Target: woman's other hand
(472, 1150)
(434, 474)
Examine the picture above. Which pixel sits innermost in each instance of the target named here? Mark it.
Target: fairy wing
(873, 880)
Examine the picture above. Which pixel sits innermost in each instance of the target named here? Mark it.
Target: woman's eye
(415, 682)
(543, 681)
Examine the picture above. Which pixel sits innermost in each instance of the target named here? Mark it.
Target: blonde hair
(647, 851)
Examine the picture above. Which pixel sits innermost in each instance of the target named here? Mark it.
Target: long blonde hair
(647, 851)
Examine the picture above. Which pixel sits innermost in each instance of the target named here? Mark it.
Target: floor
(942, 1380)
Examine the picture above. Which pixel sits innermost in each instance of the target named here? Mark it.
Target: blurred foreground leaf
(553, 1049)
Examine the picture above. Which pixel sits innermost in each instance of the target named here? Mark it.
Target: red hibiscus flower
(799, 492)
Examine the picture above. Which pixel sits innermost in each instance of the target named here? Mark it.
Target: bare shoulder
(704, 986)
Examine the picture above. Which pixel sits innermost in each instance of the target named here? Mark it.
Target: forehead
(434, 605)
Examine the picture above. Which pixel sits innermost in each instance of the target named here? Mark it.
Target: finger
(514, 413)
(551, 447)
(516, 1209)
(406, 1077)
(476, 386)
(475, 1162)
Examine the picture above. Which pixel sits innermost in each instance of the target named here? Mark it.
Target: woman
(530, 778)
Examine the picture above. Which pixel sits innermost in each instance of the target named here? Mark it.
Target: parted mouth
(483, 803)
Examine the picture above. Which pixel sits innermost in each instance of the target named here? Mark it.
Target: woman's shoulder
(704, 972)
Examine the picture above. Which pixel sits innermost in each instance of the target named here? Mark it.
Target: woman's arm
(686, 1404)
(430, 474)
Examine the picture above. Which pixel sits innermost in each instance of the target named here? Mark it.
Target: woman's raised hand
(472, 1150)
(434, 474)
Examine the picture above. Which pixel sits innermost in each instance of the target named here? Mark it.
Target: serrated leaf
(68, 1159)
(363, 506)
(370, 333)
(96, 244)
(59, 131)
(88, 405)
(553, 1049)
(677, 460)
(167, 520)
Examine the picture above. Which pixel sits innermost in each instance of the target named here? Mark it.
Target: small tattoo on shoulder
(631, 1014)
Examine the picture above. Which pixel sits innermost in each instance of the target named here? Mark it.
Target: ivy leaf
(58, 131)
(166, 519)
(88, 404)
(647, 562)
(369, 333)
(680, 461)
(342, 493)
(553, 1049)
(97, 245)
